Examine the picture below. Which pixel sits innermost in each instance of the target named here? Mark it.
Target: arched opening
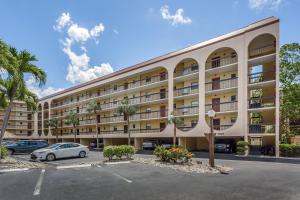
(186, 93)
(221, 91)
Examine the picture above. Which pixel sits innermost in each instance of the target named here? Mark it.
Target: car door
(62, 151)
(74, 150)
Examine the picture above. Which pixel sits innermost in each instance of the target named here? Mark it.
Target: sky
(76, 41)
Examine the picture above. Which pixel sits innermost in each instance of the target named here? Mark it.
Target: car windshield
(53, 146)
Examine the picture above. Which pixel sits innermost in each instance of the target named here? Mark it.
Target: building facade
(236, 74)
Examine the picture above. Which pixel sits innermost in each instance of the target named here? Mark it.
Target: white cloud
(41, 92)
(79, 68)
(95, 32)
(261, 4)
(175, 19)
(62, 21)
(116, 31)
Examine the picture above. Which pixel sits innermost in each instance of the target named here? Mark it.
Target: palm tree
(72, 119)
(53, 123)
(20, 65)
(176, 121)
(95, 108)
(127, 111)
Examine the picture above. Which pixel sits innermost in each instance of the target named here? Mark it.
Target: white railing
(222, 107)
(186, 110)
(262, 51)
(220, 62)
(186, 91)
(222, 84)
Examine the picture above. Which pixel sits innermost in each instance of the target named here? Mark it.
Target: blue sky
(98, 37)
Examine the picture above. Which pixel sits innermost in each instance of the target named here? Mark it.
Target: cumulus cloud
(261, 4)
(62, 21)
(41, 92)
(79, 68)
(177, 18)
(116, 31)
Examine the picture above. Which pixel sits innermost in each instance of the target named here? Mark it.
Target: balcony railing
(261, 51)
(262, 102)
(134, 84)
(220, 62)
(186, 128)
(261, 77)
(187, 70)
(150, 115)
(19, 127)
(186, 91)
(261, 128)
(115, 104)
(186, 110)
(221, 84)
(222, 107)
(222, 127)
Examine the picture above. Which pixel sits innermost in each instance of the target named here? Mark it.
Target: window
(148, 79)
(233, 98)
(194, 66)
(133, 125)
(115, 87)
(115, 128)
(194, 123)
(233, 119)
(148, 126)
(194, 85)
(148, 110)
(233, 54)
(233, 75)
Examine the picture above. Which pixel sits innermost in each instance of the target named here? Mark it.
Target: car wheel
(50, 157)
(82, 154)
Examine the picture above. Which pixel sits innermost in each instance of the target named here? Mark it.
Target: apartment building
(236, 75)
(21, 122)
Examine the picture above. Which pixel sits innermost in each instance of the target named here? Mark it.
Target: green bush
(3, 152)
(289, 150)
(118, 152)
(174, 154)
(242, 147)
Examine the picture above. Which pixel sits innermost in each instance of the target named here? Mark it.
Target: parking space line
(14, 170)
(73, 166)
(38, 186)
(117, 175)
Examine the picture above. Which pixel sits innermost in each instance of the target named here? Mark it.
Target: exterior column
(35, 124)
(138, 143)
(42, 119)
(170, 95)
(277, 112)
(49, 117)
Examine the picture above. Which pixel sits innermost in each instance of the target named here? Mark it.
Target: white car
(60, 150)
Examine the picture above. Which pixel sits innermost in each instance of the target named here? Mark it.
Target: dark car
(26, 146)
(223, 148)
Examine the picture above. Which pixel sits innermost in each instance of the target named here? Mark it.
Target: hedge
(3, 152)
(289, 150)
(175, 154)
(118, 152)
(242, 147)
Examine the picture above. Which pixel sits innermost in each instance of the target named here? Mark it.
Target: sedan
(60, 150)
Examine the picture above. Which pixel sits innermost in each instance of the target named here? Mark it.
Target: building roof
(250, 27)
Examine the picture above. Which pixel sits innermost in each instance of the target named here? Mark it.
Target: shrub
(3, 152)
(118, 151)
(242, 146)
(289, 150)
(174, 154)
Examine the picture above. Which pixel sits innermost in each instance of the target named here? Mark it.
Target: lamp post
(211, 138)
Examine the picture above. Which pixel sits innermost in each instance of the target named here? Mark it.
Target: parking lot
(249, 180)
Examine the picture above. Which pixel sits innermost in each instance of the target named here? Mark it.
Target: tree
(73, 120)
(94, 108)
(53, 123)
(176, 121)
(127, 111)
(19, 65)
(290, 87)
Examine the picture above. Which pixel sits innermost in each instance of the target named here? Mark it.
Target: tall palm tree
(176, 121)
(95, 108)
(20, 65)
(53, 123)
(72, 119)
(127, 111)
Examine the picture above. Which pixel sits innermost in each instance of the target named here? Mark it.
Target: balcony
(186, 91)
(186, 128)
(150, 115)
(221, 62)
(260, 77)
(221, 84)
(222, 107)
(186, 71)
(222, 127)
(262, 128)
(113, 90)
(146, 130)
(186, 110)
(262, 102)
(262, 51)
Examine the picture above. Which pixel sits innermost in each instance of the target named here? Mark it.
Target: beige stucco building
(236, 74)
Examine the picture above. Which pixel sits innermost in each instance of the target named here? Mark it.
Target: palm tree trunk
(128, 130)
(74, 134)
(174, 136)
(97, 134)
